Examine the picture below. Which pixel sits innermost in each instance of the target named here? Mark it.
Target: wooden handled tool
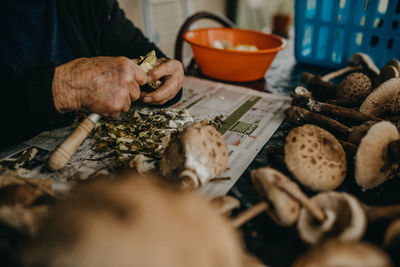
(66, 149)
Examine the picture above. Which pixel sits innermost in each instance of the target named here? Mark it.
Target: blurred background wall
(160, 20)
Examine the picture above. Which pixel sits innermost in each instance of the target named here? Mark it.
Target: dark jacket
(92, 28)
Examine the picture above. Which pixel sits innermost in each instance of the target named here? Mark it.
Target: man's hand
(104, 85)
(172, 71)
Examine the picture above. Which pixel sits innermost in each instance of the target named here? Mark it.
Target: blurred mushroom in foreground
(136, 221)
(344, 254)
(194, 157)
(315, 158)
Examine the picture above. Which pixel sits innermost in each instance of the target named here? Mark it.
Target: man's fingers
(167, 91)
(127, 105)
(134, 91)
(167, 68)
(139, 75)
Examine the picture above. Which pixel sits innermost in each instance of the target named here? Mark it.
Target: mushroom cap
(344, 254)
(370, 162)
(384, 100)
(354, 88)
(365, 61)
(346, 219)
(388, 72)
(315, 157)
(201, 149)
(395, 63)
(135, 221)
(285, 208)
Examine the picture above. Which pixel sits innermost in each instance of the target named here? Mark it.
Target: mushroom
(315, 158)
(392, 240)
(194, 157)
(303, 98)
(351, 91)
(225, 204)
(357, 62)
(395, 63)
(345, 219)
(344, 254)
(389, 71)
(377, 157)
(384, 100)
(134, 221)
(147, 63)
(280, 198)
(321, 90)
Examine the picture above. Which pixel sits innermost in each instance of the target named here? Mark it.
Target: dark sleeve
(27, 106)
(121, 38)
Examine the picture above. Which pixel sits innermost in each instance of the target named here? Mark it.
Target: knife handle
(66, 149)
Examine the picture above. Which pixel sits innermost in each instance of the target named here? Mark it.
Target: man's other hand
(104, 85)
(172, 72)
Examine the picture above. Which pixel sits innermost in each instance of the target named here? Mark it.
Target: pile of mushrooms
(345, 130)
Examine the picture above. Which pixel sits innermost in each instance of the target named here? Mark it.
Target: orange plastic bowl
(233, 65)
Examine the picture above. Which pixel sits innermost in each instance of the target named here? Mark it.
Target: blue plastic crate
(328, 32)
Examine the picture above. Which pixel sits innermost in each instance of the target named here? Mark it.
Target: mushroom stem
(249, 214)
(303, 99)
(320, 89)
(302, 116)
(376, 213)
(293, 190)
(349, 148)
(340, 72)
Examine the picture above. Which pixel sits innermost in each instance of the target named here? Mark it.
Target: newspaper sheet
(250, 119)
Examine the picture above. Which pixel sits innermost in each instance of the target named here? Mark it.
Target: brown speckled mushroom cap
(285, 208)
(354, 88)
(344, 254)
(199, 149)
(345, 219)
(315, 157)
(384, 100)
(370, 162)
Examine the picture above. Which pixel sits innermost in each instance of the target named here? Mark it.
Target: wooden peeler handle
(66, 149)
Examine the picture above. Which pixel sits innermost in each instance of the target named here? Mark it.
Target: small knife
(66, 149)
